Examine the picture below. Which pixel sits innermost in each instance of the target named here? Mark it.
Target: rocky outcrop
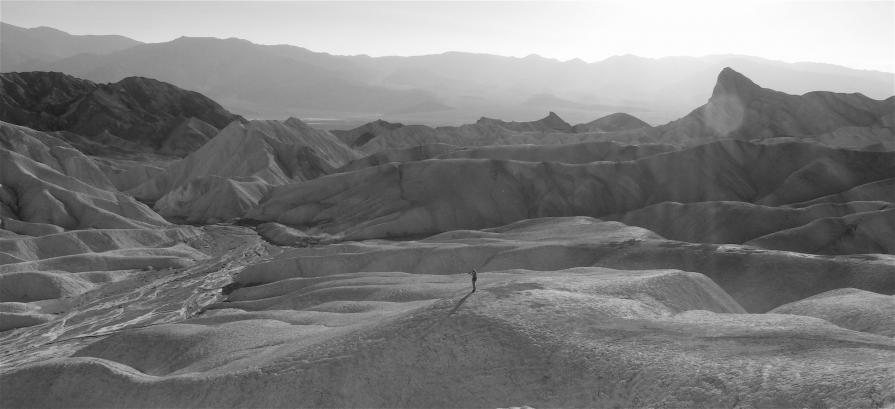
(66, 230)
(44, 180)
(550, 123)
(382, 136)
(740, 109)
(143, 111)
(231, 173)
(432, 196)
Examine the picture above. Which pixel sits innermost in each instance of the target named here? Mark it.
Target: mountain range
(132, 114)
(278, 81)
(160, 250)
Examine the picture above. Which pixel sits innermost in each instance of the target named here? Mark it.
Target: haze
(854, 34)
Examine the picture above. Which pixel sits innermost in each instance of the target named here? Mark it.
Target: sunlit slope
(235, 169)
(66, 230)
(386, 324)
(432, 196)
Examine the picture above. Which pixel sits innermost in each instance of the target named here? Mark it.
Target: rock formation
(231, 173)
(740, 109)
(143, 111)
(413, 198)
(65, 229)
(583, 152)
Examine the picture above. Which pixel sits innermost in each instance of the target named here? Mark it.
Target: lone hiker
(475, 276)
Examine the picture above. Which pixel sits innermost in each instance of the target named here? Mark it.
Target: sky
(856, 34)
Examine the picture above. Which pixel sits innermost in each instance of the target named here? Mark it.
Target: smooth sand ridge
(77, 307)
(388, 324)
(237, 167)
(739, 222)
(759, 280)
(866, 232)
(881, 190)
(433, 196)
(850, 308)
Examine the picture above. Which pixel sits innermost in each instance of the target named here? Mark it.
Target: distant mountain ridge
(741, 109)
(262, 81)
(140, 111)
(23, 49)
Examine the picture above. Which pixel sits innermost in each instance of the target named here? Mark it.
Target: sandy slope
(427, 197)
(388, 324)
(65, 230)
(237, 167)
(764, 226)
(850, 308)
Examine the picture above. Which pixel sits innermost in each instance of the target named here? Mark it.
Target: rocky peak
(553, 121)
(136, 109)
(731, 82)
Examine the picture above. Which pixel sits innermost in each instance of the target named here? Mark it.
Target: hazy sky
(851, 33)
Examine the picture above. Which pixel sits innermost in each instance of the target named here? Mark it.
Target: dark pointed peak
(553, 121)
(731, 82)
(552, 116)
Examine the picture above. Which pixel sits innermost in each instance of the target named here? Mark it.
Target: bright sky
(857, 34)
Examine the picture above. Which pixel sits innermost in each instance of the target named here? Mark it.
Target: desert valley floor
(157, 250)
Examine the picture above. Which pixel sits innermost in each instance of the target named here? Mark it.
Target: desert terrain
(159, 250)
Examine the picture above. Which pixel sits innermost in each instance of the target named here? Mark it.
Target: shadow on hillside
(460, 302)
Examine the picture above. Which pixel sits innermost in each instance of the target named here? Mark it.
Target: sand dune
(850, 308)
(401, 328)
(866, 232)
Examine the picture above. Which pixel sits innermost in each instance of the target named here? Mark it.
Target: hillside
(412, 198)
(145, 112)
(397, 322)
(234, 170)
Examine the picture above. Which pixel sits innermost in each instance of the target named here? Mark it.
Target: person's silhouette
(475, 276)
